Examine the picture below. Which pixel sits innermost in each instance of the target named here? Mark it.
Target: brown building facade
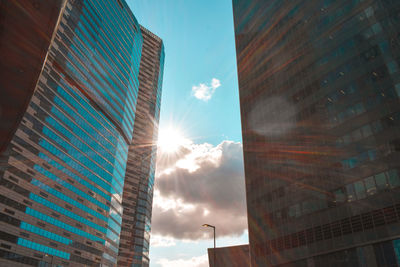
(26, 31)
(319, 94)
(235, 256)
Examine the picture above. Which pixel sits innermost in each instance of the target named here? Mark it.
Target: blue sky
(199, 45)
(200, 53)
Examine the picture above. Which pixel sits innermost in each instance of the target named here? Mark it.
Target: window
(120, 3)
(392, 67)
(351, 195)
(366, 130)
(369, 12)
(340, 196)
(359, 108)
(356, 135)
(397, 87)
(372, 154)
(370, 54)
(376, 28)
(370, 185)
(294, 211)
(396, 245)
(394, 179)
(360, 189)
(376, 126)
(347, 139)
(380, 180)
(385, 254)
(384, 46)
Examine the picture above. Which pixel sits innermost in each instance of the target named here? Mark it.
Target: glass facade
(139, 180)
(319, 95)
(62, 175)
(20, 25)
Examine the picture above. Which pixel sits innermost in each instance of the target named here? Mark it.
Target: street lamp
(213, 227)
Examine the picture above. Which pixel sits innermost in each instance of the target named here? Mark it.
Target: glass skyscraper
(139, 180)
(62, 174)
(22, 53)
(319, 93)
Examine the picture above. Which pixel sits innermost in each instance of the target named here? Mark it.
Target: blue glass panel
(45, 233)
(66, 212)
(42, 248)
(63, 225)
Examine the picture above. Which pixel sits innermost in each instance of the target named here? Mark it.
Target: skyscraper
(22, 53)
(62, 173)
(319, 93)
(139, 179)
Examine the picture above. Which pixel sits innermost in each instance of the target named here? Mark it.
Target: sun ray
(170, 140)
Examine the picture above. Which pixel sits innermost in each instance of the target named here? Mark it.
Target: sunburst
(170, 140)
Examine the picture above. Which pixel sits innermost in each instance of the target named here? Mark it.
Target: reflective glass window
(394, 179)
(360, 189)
(380, 180)
(392, 67)
(376, 126)
(396, 246)
(340, 195)
(370, 185)
(366, 130)
(356, 134)
(388, 252)
(376, 28)
(351, 194)
(397, 87)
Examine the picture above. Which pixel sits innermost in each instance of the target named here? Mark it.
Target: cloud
(200, 261)
(162, 241)
(201, 183)
(205, 91)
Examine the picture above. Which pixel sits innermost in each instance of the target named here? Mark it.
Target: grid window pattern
(139, 180)
(68, 156)
(364, 221)
(42, 232)
(39, 247)
(319, 110)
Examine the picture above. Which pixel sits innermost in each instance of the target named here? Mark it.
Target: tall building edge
(67, 129)
(319, 91)
(26, 31)
(139, 179)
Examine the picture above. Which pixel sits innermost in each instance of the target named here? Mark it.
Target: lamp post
(213, 227)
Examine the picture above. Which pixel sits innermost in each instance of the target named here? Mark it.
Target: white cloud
(205, 91)
(200, 261)
(161, 241)
(171, 203)
(201, 183)
(215, 83)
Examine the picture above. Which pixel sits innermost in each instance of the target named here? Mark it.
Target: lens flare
(170, 140)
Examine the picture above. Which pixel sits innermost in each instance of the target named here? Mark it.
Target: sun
(170, 140)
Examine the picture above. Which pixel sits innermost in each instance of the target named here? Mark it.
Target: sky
(199, 177)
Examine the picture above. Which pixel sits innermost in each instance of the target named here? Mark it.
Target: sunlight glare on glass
(170, 140)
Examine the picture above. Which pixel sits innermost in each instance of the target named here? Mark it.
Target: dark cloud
(205, 184)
